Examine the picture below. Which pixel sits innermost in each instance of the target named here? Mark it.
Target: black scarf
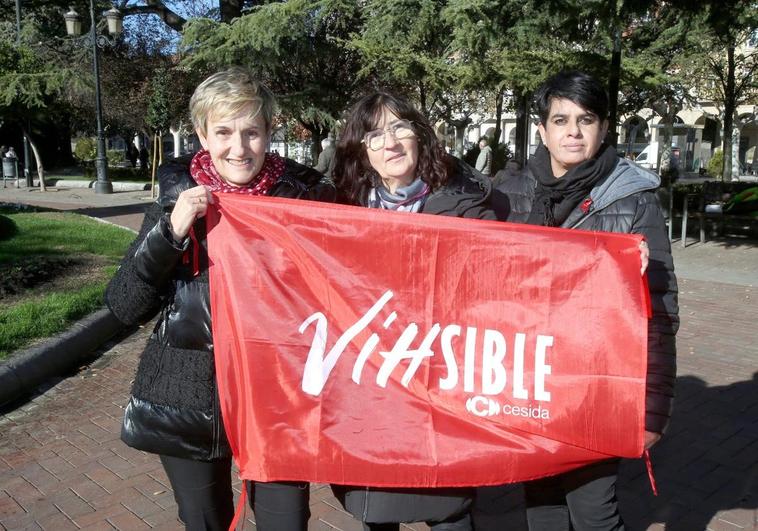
(555, 199)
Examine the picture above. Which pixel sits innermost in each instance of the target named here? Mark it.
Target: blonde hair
(229, 93)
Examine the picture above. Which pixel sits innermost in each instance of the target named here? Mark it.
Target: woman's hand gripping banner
(367, 347)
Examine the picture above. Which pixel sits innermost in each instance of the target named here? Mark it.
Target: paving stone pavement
(62, 465)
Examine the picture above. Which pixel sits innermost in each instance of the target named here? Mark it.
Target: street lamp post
(74, 28)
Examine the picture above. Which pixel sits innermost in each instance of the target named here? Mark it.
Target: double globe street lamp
(74, 29)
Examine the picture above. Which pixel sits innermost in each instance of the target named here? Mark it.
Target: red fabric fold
(368, 347)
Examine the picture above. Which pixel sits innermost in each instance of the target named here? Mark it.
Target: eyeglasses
(399, 129)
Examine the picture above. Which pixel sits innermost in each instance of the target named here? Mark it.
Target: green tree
(408, 47)
(296, 47)
(507, 48)
(159, 114)
(29, 83)
(405, 47)
(727, 70)
(656, 60)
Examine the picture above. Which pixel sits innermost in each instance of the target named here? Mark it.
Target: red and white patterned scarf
(204, 172)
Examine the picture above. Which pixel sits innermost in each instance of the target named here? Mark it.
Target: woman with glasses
(389, 158)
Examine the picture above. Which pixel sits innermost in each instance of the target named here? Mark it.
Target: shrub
(501, 154)
(85, 149)
(115, 156)
(8, 228)
(716, 164)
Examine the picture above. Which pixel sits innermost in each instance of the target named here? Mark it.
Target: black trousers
(203, 492)
(460, 522)
(586, 497)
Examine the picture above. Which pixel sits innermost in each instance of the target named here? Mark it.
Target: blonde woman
(174, 409)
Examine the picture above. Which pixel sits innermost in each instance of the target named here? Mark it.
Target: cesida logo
(481, 406)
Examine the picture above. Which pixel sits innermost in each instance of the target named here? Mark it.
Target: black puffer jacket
(466, 195)
(625, 202)
(174, 407)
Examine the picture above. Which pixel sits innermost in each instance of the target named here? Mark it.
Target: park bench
(708, 204)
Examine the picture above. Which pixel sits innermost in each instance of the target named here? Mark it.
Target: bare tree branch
(157, 7)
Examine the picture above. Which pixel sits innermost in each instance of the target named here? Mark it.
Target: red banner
(368, 347)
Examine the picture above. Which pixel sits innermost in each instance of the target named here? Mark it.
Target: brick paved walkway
(62, 465)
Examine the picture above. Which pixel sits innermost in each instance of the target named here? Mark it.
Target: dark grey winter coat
(624, 202)
(174, 408)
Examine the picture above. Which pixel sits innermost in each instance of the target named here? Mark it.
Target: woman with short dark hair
(389, 158)
(575, 180)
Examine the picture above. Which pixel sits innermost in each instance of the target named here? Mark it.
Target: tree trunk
(154, 168)
(729, 108)
(664, 141)
(422, 100)
(667, 110)
(230, 9)
(613, 89)
(38, 159)
(157, 7)
(317, 135)
(460, 132)
(498, 119)
(735, 176)
(521, 149)
(64, 143)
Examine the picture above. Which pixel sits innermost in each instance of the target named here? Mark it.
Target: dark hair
(353, 174)
(581, 88)
(484, 139)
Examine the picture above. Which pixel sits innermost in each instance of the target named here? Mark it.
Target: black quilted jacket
(625, 202)
(174, 406)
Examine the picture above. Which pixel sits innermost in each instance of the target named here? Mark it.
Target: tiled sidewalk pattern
(62, 465)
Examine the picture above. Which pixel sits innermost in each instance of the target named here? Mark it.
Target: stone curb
(31, 367)
(118, 186)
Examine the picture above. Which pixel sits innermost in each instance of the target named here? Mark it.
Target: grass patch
(81, 254)
(22, 323)
(61, 233)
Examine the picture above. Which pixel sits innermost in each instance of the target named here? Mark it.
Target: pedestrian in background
(174, 408)
(326, 157)
(484, 160)
(143, 157)
(132, 154)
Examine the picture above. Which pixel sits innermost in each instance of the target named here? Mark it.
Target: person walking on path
(132, 154)
(174, 407)
(325, 158)
(144, 157)
(484, 160)
(575, 180)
